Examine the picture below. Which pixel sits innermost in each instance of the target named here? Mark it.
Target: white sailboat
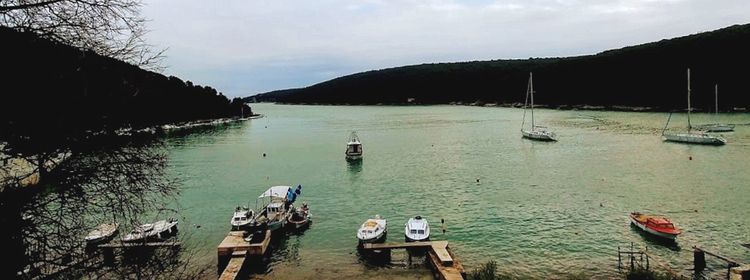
(536, 132)
(717, 127)
(691, 137)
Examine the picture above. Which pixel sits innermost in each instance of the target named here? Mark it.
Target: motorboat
(274, 212)
(657, 225)
(373, 230)
(299, 218)
(157, 230)
(417, 229)
(535, 132)
(353, 147)
(102, 233)
(691, 137)
(242, 218)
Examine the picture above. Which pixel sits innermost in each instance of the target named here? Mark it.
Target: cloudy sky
(243, 47)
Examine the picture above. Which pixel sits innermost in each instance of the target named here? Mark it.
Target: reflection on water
(354, 166)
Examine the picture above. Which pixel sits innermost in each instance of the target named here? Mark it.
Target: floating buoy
(477, 180)
(264, 154)
(690, 157)
(601, 205)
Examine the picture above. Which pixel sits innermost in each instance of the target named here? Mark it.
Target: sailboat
(539, 133)
(691, 137)
(717, 127)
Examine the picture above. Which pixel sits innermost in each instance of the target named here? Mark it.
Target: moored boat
(691, 137)
(274, 213)
(657, 225)
(353, 147)
(300, 218)
(102, 233)
(536, 132)
(417, 229)
(242, 218)
(157, 230)
(373, 230)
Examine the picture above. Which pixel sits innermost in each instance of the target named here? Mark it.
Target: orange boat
(656, 225)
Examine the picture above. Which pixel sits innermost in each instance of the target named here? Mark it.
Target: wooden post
(699, 260)
(619, 259)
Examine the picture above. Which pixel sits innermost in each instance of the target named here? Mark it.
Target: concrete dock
(443, 261)
(234, 250)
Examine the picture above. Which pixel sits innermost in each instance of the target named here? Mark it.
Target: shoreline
(576, 107)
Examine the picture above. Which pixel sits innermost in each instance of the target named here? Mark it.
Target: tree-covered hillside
(648, 75)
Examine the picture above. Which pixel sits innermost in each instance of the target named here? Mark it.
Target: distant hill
(649, 75)
(51, 89)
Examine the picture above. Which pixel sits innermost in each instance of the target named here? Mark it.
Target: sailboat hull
(689, 138)
(718, 127)
(538, 135)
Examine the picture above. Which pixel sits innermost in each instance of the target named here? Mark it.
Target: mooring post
(699, 260)
(619, 259)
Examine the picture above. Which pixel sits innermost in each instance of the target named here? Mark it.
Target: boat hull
(378, 239)
(651, 231)
(534, 135)
(718, 127)
(694, 139)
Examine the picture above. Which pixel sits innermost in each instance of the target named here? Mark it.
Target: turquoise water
(538, 208)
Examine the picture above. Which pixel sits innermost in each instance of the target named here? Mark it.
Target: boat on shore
(157, 230)
(299, 218)
(102, 233)
(242, 218)
(691, 137)
(353, 147)
(417, 229)
(373, 230)
(657, 225)
(536, 132)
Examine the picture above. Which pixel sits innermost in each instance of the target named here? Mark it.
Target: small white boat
(373, 230)
(417, 229)
(242, 218)
(353, 147)
(101, 233)
(691, 137)
(159, 230)
(539, 133)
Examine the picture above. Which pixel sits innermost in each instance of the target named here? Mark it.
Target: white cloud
(242, 47)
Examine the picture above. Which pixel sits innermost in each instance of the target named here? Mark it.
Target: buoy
(690, 157)
(601, 205)
(264, 154)
(477, 180)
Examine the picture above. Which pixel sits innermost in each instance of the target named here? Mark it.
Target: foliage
(650, 75)
(111, 28)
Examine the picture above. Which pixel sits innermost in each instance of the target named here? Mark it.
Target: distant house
(410, 100)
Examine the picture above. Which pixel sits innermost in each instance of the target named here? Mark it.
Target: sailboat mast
(688, 97)
(531, 90)
(716, 98)
(525, 104)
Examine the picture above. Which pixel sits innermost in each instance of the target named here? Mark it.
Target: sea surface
(538, 209)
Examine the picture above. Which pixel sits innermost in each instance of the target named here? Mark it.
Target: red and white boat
(656, 225)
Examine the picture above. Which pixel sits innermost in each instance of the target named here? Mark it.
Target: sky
(244, 47)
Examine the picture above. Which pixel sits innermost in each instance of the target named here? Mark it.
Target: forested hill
(648, 75)
(49, 87)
